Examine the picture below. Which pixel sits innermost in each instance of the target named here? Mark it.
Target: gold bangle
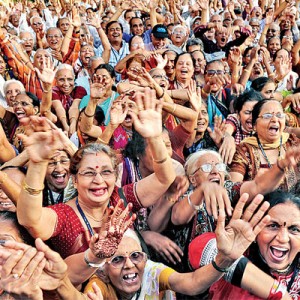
(3, 179)
(30, 190)
(246, 70)
(174, 108)
(205, 94)
(160, 161)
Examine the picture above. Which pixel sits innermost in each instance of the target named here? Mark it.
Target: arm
(73, 115)
(7, 151)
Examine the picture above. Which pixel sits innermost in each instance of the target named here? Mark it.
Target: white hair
(37, 17)
(11, 81)
(130, 233)
(65, 67)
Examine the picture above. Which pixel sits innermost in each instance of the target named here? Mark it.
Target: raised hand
(118, 113)
(94, 21)
(115, 223)
(235, 238)
(194, 94)
(219, 130)
(97, 90)
(269, 17)
(148, 122)
(48, 72)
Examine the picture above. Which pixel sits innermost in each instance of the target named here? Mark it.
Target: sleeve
(79, 92)
(240, 161)
(231, 120)
(129, 191)
(178, 138)
(164, 279)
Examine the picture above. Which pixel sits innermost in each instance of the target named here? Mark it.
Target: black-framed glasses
(22, 103)
(207, 168)
(64, 162)
(136, 257)
(268, 116)
(211, 73)
(105, 174)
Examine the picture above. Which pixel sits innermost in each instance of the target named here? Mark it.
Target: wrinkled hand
(148, 122)
(227, 149)
(235, 238)
(219, 130)
(118, 113)
(115, 223)
(294, 99)
(48, 72)
(178, 187)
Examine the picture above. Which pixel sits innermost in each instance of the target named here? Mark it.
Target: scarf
(252, 140)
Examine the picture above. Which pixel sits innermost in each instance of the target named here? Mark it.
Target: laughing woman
(72, 227)
(266, 148)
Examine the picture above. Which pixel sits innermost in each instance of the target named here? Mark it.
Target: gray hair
(52, 28)
(130, 233)
(65, 67)
(9, 82)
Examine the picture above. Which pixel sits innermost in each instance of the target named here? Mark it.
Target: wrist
(223, 262)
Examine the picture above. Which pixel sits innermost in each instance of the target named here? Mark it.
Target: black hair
(247, 96)
(259, 83)
(283, 33)
(194, 42)
(248, 49)
(181, 54)
(275, 55)
(281, 197)
(111, 23)
(12, 217)
(212, 62)
(133, 18)
(108, 68)
(136, 147)
(34, 98)
(128, 11)
(258, 107)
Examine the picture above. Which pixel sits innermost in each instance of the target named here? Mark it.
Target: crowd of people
(149, 149)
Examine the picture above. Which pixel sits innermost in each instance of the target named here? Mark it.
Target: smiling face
(216, 66)
(40, 57)
(27, 41)
(137, 43)
(37, 24)
(127, 123)
(202, 122)
(257, 71)
(95, 191)
(245, 115)
(222, 37)
(137, 26)
(279, 241)
(178, 36)
(54, 38)
(86, 52)
(64, 25)
(114, 33)
(128, 279)
(274, 45)
(200, 62)
(170, 66)
(58, 174)
(214, 176)
(65, 81)
(270, 130)
(12, 91)
(184, 68)
(23, 107)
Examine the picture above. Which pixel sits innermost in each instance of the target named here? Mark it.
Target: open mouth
(6, 204)
(98, 192)
(59, 178)
(130, 278)
(20, 114)
(127, 118)
(216, 180)
(278, 253)
(273, 129)
(163, 84)
(223, 40)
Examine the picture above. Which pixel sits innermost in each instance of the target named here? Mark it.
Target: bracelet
(277, 291)
(222, 270)
(246, 70)
(192, 205)
(30, 190)
(205, 94)
(160, 161)
(89, 116)
(90, 264)
(280, 168)
(174, 108)
(3, 179)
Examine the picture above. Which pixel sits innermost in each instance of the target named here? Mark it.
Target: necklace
(86, 221)
(264, 153)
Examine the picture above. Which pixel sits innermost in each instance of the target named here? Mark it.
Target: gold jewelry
(246, 70)
(160, 161)
(30, 190)
(3, 179)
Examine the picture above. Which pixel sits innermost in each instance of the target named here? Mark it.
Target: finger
(32, 270)
(214, 206)
(28, 255)
(11, 262)
(220, 203)
(227, 203)
(255, 203)
(262, 224)
(238, 211)
(175, 253)
(259, 214)
(139, 101)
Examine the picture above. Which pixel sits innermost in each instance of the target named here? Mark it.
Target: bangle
(3, 179)
(278, 166)
(89, 116)
(222, 270)
(277, 291)
(30, 190)
(205, 94)
(174, 108)
(246, 70)
(192, 205)
(160, 161)
(91, 264)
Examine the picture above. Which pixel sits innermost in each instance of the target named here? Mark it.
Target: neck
(94, 213)
(116, 45)
(144, 169)
(199, 136)
(183, 82)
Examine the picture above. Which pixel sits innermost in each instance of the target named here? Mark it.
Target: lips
(273, 129)
(98, 192)
(278, 253)
(59, 178)
(20, 114)
(131, 278)
(216, 180)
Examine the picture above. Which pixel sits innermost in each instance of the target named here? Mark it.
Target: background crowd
(149, 149)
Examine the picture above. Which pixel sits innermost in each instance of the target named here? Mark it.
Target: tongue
(278, 253)
(59, 179)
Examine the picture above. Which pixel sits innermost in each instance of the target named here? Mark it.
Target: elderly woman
(80, 215)
(268, 145)
(11, 88)
(276, 250)
(130, 275)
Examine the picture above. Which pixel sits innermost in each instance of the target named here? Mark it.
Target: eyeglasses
(211, 73)
(268, 116)
(272, 30)
(37, 24)
(22, 103)
(138, 44)
(55, 36)
(287, 37)
(179, 32)
(207, 168)
(136, 257)
(27, 40)
(105, 174)
(160, 77)
(63, 162)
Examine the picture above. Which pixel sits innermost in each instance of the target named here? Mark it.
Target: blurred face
(216, 19)
(227, 19)
(40, 57)
(5, 203)
(131, 107)
(274, 45)
(148, 24)
(202, 122)
(279, 241)
(158, 43)
(268, 90)
(256, 12)
(105, 78)
(64, 25)
(170, 66)
(184, 68)
(54, 39)
(255, 27)
(288, 37)
(129, 16)
(270, 130)
(200, 62)
(58, 174)
(37, 24)
(272, 31)
(85, 54)
(200, 176)
(95, 190)
(167, 142)
(2, 65)
(178, 36)
(137, 26)
(23, 107)
(161, 78)
(115, 33)
(285, 24)
(245, 115)
(15, 19)
(128, 279)
(13, 90)
(27, 41)
(213, 68)
(137, 43)
(65, 81)
(222, 37)
(281, 55)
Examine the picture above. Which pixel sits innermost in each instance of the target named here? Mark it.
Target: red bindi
(97, 167)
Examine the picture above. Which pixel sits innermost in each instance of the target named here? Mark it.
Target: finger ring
(15, 276)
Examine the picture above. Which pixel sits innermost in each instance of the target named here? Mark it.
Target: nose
(214, 169)
(128, 263)
(98, 178)
(59, 167)
(283, 235)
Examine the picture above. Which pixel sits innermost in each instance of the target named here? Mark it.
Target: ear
(36, 110)
(74, 180)
(192, 180)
